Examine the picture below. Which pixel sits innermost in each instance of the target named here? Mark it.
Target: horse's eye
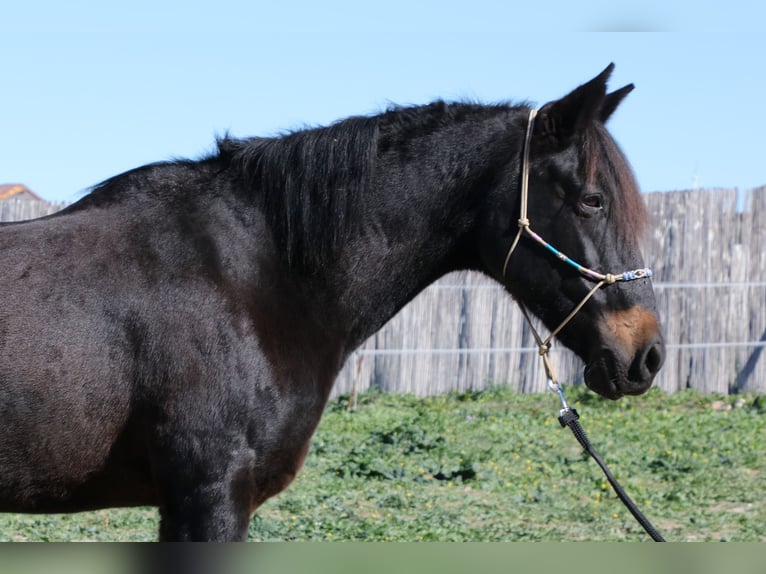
(593, 201)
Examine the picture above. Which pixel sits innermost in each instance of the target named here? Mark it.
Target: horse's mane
(309, 182)
(312, 183)
(604, 161)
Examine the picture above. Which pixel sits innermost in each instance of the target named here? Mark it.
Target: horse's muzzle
(620, 369)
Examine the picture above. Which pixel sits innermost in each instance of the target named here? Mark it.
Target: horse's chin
(607, 375)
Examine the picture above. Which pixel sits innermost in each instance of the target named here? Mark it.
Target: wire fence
(454, 338)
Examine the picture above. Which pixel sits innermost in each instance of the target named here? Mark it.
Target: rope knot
(523, 222)
(609, 278)
(543, 349)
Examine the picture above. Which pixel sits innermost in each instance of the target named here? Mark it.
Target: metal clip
(556, 388)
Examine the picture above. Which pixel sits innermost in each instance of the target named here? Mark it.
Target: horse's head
(583, 200)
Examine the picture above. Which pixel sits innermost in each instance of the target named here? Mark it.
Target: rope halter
(601, 279)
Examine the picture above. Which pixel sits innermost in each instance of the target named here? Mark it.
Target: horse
(172, 338)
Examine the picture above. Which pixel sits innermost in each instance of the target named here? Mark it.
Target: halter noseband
(601, 278)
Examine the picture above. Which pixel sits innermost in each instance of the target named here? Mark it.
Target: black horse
(172, 338)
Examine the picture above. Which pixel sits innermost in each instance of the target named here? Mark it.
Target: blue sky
(91, 89)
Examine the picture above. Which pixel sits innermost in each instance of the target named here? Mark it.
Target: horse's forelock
(607, 167)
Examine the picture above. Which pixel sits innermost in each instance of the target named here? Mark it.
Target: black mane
(313, 183)
(309, 182)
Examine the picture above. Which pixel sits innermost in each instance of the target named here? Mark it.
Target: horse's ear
(612, 100)
(559, 121)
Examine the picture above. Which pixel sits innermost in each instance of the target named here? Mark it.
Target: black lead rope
(569, 418)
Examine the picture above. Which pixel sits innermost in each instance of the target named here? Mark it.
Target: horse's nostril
(654, 358)
(647, 362)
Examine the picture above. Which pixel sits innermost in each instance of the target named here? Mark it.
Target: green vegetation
(496, 466)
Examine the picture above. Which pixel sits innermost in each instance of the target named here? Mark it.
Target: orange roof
(11, 189)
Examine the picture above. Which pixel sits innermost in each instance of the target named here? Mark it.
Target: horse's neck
(414, 235)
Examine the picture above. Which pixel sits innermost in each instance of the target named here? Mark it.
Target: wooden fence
(708, 252)
(15, 209)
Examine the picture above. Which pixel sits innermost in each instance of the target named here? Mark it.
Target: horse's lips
(600, 376)
(606, 375)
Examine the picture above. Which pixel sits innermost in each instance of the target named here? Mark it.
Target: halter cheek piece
(600, 278)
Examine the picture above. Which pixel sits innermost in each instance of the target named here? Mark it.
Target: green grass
(496, 466)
